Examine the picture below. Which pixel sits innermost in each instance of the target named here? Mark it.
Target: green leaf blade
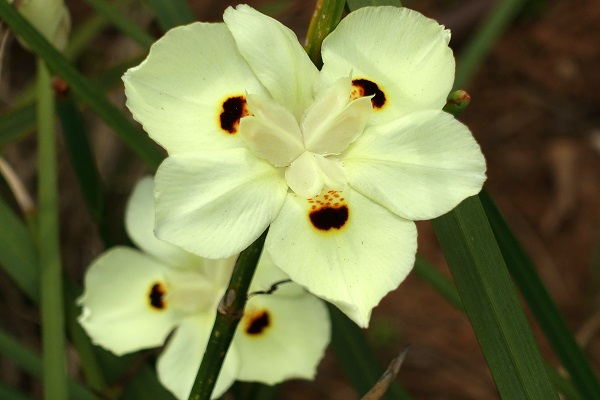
(491, 303)
(543, 308)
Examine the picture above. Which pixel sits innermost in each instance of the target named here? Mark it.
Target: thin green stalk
(325, 18)
(53, 341)
(226, 322)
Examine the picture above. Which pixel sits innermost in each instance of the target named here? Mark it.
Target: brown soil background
(536, 113)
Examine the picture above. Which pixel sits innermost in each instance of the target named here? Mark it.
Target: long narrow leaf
(539, 301)
(491, 303)
(85, 90)
(83, 160)
(17, 124)
(356, 358)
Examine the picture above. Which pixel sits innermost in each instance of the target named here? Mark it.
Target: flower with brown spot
(134, 299)
(368, 127)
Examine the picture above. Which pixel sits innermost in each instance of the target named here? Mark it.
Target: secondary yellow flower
(339, 162)
(134, 299)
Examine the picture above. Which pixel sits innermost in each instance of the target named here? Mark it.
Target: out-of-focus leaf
(122, 22)
(24, 358)
(83, 160)
(8, 393)
(83, 88)
(18, 254)
(171, 13)
(356, 357)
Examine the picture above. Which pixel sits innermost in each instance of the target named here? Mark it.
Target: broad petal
(189, 94)
(343, 248)
(216, 203)
(333, 122)
(139, 222)
(178, 364)
(275, 55)
(403, 53)
(419, 167)
(272, 133)
(282, 338)
(124, 304)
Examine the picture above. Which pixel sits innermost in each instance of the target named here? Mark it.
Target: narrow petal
(343, 248)
(178, 364)
(275, 55)
(282, 338)
(333, 122)
(125, 303)
(189, 94)
(139, 222)
(396, 53)
(332, 171)
(419, 167)
(272, 133)
(216, 203)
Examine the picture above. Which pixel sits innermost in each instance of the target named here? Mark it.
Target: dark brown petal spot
(157, 296)
(234, 109)
(258, 322)
(329, 217)
(364, 87)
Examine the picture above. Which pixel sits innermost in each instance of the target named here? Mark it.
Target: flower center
(308, 148)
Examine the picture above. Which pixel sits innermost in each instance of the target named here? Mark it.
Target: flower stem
(325, 18)
(228, 317)
(51, 295)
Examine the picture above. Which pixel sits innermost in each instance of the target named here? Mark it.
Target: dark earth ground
(535, 112)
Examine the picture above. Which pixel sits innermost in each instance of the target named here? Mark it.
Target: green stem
(325, 18)
(53, 341)
(228, 317)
